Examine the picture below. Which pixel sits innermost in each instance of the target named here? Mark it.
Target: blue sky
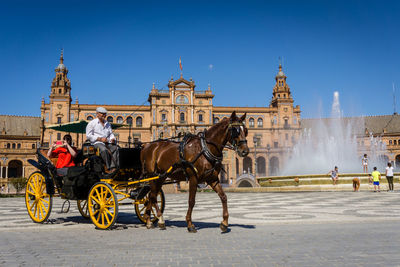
(115, 50)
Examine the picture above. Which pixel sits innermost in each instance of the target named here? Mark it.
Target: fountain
(325, 143)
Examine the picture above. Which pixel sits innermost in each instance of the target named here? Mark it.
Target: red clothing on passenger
(64, 157)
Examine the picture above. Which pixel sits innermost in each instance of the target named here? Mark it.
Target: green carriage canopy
(78, 126)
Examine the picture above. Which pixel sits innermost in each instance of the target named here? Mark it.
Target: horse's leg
(151, 202)
(192, 200)
(161, 222)
(216, 186)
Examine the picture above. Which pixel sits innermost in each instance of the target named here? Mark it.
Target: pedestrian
(389, 176)
(376, 176)
(334, 175)
(356, 183)
(2, 188)
(364, 161)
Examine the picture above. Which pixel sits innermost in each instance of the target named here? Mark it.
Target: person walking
(376, 176)
(389, 176)
(364, 161)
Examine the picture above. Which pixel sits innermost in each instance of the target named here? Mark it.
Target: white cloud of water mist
(325, 143)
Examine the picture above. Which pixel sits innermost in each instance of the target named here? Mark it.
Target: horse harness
(215, 161)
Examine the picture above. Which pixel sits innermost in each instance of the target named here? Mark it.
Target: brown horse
(197, 159)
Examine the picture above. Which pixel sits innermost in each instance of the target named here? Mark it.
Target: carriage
(142, 173)
(97, 193)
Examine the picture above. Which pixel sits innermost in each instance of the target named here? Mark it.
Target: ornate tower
(60, 96)
(281, 92)
(61, 86)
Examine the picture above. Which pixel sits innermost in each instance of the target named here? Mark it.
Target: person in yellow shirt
(376, 176)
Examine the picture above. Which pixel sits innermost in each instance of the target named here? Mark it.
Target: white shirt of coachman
(95, 130)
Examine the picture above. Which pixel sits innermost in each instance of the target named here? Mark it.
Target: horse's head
(237, 133)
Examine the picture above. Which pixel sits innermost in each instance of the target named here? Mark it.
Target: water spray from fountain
(327, 143)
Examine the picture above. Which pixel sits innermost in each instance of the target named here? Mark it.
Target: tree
(18, 183)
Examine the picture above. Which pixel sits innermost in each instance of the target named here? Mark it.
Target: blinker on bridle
(234, 128)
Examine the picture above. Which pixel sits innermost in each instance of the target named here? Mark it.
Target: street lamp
(255, 139)
(268, 148)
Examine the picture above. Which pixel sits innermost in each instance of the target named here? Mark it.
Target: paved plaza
(266, 229)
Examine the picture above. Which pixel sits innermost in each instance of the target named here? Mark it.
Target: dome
(61, 66)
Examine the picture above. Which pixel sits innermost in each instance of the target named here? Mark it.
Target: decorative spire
(154, 86)
(62, 56)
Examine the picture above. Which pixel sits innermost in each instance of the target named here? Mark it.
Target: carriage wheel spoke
(41, 209)
(44, 200)
(105, 215)
(96, 200)
(142, 209)
(102, 218)
(44, 207)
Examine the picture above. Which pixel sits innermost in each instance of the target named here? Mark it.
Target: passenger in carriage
(65, 153)
(99, 133)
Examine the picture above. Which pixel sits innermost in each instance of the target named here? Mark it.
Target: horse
(196, 159)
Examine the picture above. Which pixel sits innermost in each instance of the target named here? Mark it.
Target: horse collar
(207, 153)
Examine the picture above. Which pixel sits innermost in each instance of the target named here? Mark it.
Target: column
(23, 171)
(6, 172)
(1, 172)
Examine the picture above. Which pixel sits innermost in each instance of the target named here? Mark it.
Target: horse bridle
(234, 128)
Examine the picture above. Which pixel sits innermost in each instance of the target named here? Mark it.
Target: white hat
(101, 110)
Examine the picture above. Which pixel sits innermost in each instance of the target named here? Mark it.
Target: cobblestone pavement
(266, 229)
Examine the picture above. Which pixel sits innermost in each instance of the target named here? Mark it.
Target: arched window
(251, 122)
(120, 119)
(129, 120)
(395, 142)
(18, 146)
(163, 117)
(89, 118)
(260, 123)
(247, 165)
(33, 146)
(139, 122)
(110, 119)
(200, 117)
(8, 145)
(216, 120)
(182, 117)
(13, 146)
(58, 119)
(286, 125)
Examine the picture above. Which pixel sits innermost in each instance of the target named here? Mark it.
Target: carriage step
(140, 192)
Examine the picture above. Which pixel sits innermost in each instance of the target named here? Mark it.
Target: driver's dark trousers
(109, 153)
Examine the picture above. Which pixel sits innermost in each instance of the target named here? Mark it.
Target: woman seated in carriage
(65, 153)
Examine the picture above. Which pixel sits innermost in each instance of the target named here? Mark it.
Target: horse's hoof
(223, 227)
(162, 226)
(192, 229)
(149, 226)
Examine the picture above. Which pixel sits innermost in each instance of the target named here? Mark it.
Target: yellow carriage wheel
(103, 205)
(140, 207)
(38, 202)
(83, 208)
